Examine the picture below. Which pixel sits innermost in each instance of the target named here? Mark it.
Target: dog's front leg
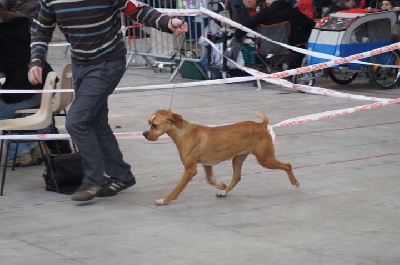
(190, 171)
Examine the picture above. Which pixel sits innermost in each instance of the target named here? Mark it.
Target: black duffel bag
(64, 173)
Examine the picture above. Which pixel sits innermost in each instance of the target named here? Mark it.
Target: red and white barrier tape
(145, 88)
(180, 12)
(273, 79)
(63, 136)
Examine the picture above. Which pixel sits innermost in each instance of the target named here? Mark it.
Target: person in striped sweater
(93, 29)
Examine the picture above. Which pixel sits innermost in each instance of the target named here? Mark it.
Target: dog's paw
(297, 184)
(221, 193)
(160, 202)
(220, 185)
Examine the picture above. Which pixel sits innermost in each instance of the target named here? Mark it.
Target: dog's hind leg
(237, 163)
(211, 180)
(273, 163)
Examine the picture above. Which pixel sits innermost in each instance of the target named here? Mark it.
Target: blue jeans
(87, 121)
(7, 111)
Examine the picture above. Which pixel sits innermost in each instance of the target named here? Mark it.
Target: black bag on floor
(57, 146)
(64, 173)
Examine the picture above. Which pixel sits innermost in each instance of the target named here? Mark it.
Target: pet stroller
(351, 32)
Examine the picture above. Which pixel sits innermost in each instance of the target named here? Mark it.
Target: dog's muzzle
(149, 136)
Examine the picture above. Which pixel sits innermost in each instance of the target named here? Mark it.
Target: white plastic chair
(61, 100)
(35, 122)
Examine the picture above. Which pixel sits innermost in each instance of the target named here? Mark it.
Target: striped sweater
(92, 27)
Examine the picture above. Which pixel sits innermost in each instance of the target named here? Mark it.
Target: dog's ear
(177, 120)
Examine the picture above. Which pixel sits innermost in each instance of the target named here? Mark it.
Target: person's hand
(35, 75)
(178, 26)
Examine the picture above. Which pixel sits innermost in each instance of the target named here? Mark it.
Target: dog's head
(161, 122)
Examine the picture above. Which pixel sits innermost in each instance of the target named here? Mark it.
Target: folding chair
(274, 57)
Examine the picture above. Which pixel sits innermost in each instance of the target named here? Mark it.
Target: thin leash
(172, 96)
(180, 50)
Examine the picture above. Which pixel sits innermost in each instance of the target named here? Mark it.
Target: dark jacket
(15, 55)
(241, 13)
(335, 7)
(28, 7)
(281, 11)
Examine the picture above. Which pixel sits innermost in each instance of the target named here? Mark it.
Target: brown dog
(209, 146)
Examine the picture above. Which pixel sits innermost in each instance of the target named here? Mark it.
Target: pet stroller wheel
(307, 79)
(341, 76)
(385, 77)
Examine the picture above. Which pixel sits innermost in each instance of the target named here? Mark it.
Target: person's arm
(152, 18)
(42, 33)
(252, 22)
(4, 4)
(303, 21)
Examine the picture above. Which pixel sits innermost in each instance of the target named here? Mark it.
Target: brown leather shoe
(85, 192)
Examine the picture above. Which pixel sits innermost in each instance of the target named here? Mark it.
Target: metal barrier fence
(150, 47)
(58, 42)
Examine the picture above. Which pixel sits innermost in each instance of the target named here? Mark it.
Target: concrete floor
(345, 212)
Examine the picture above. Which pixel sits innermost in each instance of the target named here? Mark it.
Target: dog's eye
(154, 126)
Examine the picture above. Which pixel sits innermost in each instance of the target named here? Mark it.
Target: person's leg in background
(27, 153)
(2, 69)
(7, 111)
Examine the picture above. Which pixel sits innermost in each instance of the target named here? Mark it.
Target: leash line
(180, 50)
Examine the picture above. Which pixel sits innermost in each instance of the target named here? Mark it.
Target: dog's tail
(264, 118)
